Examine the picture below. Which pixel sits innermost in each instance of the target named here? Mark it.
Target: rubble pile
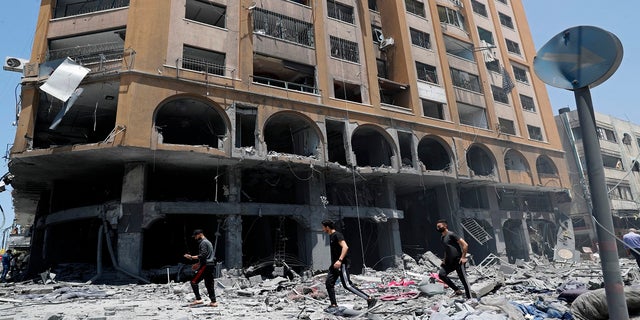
(536, 289)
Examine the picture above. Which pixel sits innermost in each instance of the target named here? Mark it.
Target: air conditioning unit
(14, 64)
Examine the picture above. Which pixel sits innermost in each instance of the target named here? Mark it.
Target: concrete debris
(533, 289)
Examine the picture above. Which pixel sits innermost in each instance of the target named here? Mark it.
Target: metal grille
(200, 64)
(340, 11)
(344, 49)
(76, 8)
(426, 72)
(476, 231)
(97, 57)
(415, 7)
(420, 39)
(282, 27)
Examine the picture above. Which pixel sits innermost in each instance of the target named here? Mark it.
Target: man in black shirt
(206, 265)
(455, 257)
(339, 267)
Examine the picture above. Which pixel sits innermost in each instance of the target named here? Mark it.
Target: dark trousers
(332, 276)
(204, 272)
(634, 252)
(460, 269)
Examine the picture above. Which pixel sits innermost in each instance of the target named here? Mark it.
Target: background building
(256, 120)
(620, 148)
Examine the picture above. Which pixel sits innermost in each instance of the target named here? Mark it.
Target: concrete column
(233, 242)
(496, 220)
(316, 242)
(389, 244)
(129, 248)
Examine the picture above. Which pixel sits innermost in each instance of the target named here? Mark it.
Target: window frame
(513, 47)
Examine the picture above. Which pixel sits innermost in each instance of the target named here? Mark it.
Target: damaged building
(255, 120)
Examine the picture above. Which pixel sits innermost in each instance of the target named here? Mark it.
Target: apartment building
(620, 148)
(256, 120)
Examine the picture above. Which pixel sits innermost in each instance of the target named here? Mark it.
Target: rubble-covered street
(525, 290)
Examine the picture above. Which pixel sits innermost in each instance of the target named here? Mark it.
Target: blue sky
(546, 19)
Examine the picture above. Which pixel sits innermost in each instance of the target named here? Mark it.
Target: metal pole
(613, 286)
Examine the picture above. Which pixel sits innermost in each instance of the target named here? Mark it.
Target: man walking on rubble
(205, 267)
(632, 241)
(455, 258)
(339, 267)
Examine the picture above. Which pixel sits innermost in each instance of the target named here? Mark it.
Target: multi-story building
(256, 120)
(620, 148)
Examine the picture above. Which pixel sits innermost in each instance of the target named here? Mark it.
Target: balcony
(100, 58)
(67, 8)
(285, 74)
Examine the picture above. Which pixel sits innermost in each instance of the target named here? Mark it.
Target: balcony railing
(103, 57)
(285, 84)
(197, 64)
(76, 8)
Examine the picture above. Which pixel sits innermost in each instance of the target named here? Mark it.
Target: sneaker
(371, 302)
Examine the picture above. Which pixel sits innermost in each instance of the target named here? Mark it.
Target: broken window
(499, 95)
(545, 166)
(92, 118)
(626, 139)
(459, 48)
(284, 73)
(371, 148)
(282, 27)
(465, 80)
(513, 160)
(373, 5)
(619, 192)
(612, 162)
(535, 133)
(520, 74)
(291, 133)
(381, 64)
(513, 46)
(451, 17)
(190, 121)
(426, 72)
(472, 115)
(527, 103)
(377, 34)
(415, 7)
(340, 11)
(420, 39)
(506, 126)
(606, 134)
(479, 161)
(432, 109)
(206, 12)
(493, 65)
(474, 198)
(479, 8)
(66, 8)
(344, 49)
(336, 148)
(505, 20)
(246, 126)
(433, 155)
(203, 60)
(347, 91)
(405, 140)
(485, 35)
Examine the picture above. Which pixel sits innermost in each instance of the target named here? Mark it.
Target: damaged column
(130, 224)
(390, 244)
(315, 245)
(233, 233)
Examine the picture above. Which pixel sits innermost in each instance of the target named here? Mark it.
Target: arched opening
(291, 133)
(371, 148)
(546, 166)
(480, 161)
(513, 160)
(433, 154)
(190, 121)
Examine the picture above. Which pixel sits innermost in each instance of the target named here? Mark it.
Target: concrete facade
(620, 148)
(257, 120)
